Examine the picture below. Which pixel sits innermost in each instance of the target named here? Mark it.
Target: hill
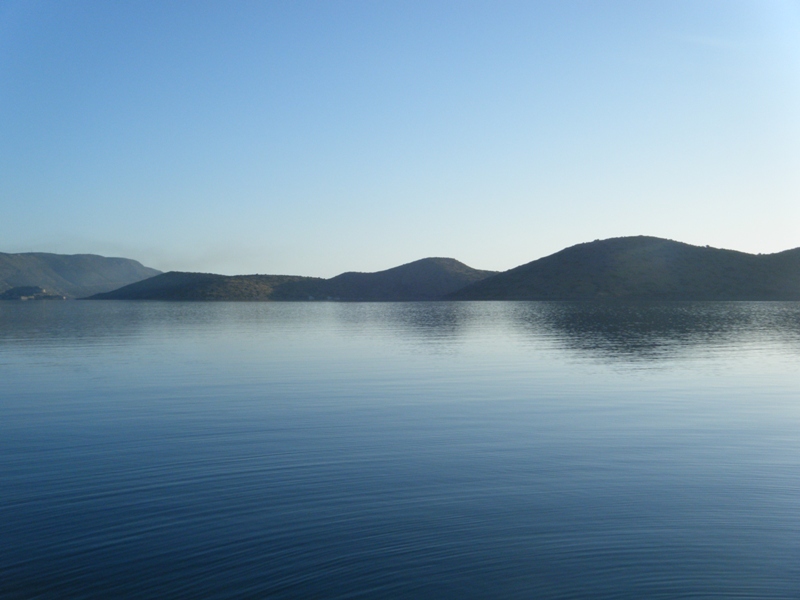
(73, 276)
(201, 286)
(426, 279)
(645, 268)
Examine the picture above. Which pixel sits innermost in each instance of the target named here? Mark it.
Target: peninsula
(426, 279)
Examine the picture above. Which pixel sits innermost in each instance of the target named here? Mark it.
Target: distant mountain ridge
(644, 267)
(425, 279)
(70, 275)
(639, 267)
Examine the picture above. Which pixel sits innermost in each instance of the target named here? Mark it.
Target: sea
(399, 450)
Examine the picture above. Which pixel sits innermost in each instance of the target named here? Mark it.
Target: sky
(313, 138)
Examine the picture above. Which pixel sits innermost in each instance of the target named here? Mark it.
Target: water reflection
(438, 327)
(35, 322)
(649, 331)
(656, 331)
(410, 450)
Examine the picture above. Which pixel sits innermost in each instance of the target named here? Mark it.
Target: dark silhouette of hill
(70, 275)
(426, 279)
(201, 286)
(645, 268)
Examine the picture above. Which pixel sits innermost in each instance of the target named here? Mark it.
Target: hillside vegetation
(202, 286)
(645, 268)
(70, 275)
(426, 279)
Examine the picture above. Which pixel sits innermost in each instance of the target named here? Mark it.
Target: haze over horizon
(311, 139)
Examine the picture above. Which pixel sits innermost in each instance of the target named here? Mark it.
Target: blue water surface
(409, 450)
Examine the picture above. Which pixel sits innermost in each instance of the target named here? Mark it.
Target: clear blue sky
(318, 137)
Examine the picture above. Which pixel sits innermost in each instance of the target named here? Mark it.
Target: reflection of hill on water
(433, 320)
(435, 325)
(615, 331)
(654, 330)
(115, 323)
(36, 322)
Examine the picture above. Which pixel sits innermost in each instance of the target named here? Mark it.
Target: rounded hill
(646, 268)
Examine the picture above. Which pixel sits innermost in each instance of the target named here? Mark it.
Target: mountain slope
(202, 286)
(71, 275)
(426, 279)
(647, 268)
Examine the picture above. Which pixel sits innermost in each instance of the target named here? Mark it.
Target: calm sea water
(442, 450)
